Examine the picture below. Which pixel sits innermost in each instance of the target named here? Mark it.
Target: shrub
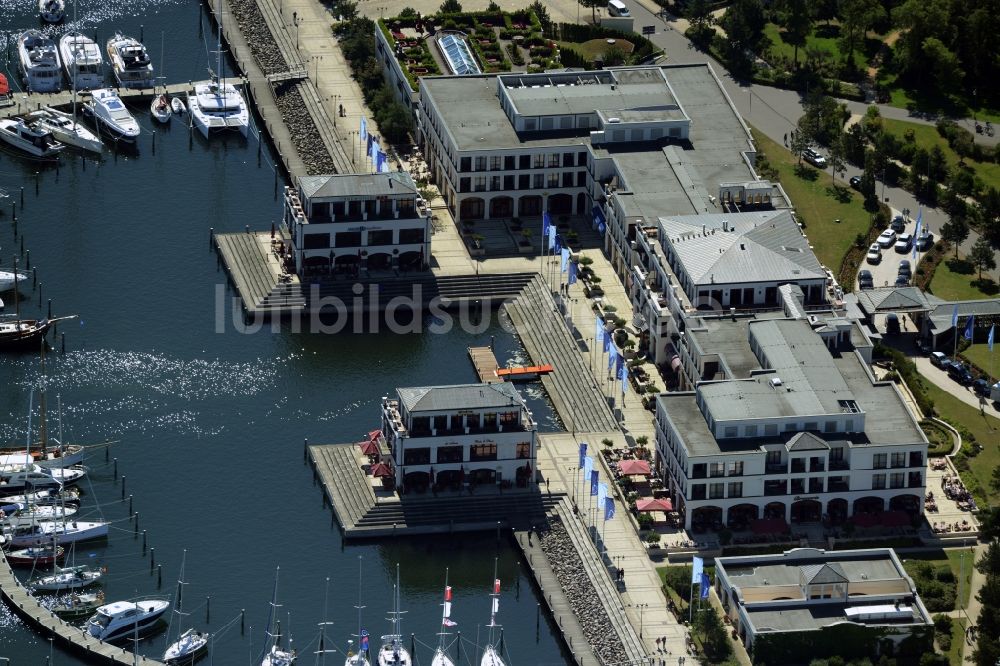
(678, 579)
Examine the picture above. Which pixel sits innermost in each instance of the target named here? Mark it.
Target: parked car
(904, 268)
(898, 224)
(865, 280)
(904, 243)
(938, 359)
(981, 387)
(960, 374)
(892, 324)
(886, 239)
(925, 241)
(902, 281)
(874, 255)
(813, 157)
(855, 182)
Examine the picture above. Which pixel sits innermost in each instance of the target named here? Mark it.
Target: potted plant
(524, 245)
(515, 224)
(571, 236)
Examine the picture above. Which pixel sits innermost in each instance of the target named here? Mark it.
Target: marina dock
(485, 363)
(24, 102)
(42, 620)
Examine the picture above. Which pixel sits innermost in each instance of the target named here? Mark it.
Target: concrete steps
(423, 288)
(514, 508)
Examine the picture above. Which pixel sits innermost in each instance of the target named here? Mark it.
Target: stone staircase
(259, 287)
(547, 340)
(495, 288)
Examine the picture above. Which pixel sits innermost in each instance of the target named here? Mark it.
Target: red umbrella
(375, 434)
(634, 467)
(380, 470)
(368, 447)
(648, 504)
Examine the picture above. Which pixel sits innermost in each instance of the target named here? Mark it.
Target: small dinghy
(177, 104)
(160, 108)
(78, 606)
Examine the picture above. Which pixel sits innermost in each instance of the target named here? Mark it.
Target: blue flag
(572, 272)
(373, 152)
(706, 585)
(607, 346)
(599, 332)
(969, 326)
(364, 128)
(583, 453)
(546, 224)
(601, 228)
(989, 340)
(697, 567)
(594, 474)
(379, 160)
(619, 363)
(612, 352)
(623, 376)
(954, 316)
(557, 246)
(916, 230)
(565, 260)
(609, 508)
(370, 141)
(588, 465)
(552, 238)
(602, 494)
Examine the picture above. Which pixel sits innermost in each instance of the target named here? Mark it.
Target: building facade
(453, 436)
(354, 222)
(786, 422)
(805, 604)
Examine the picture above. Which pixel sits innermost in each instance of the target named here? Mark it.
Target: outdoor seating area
(955, 490)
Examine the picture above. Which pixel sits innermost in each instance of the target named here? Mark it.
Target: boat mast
(495, 602)
(358, 661)
(445, 613)
(76, 63)
(220, 75)
(42, 425)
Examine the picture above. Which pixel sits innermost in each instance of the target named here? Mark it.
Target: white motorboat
(16, 478)
(64, 579)
(159, 108)
(125, 619)
(52, 11)
(66, 129)
(130, 62)
(29, 137)
(60, 532)
(8, 280)
(54, 496)
(177, 105)
(82, 60)
(392, 652)
(39, 62)
(110, 113)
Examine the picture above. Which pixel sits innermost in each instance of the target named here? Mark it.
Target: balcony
(772, 488)
(798, 466)
(777, 468)
(916, 460)
(835, 485)
(815, 486)
(839, 465)
(817, 466)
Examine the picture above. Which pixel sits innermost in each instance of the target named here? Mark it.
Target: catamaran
(441, 657)
(217, 105)
(491, 653)
(392, 652)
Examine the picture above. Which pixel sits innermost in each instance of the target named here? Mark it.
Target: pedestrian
(547, 484)
(786, 138)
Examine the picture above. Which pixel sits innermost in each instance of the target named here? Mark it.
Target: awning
(634, 467)
(647, 504)
(769, 526)
(4, 86)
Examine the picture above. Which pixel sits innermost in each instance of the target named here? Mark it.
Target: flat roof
(459, 396)
(815, 616)
(784, 571)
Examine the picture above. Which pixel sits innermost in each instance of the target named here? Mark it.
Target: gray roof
(806, 441)
(886, 299)
(612, 91)
(943, 313)
(758, 247)
(360, 185)
(779, 569)
(823, 574)
(459, 396)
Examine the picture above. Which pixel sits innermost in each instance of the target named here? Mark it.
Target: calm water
(210, 426)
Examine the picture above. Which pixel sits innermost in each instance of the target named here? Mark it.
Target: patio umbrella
(374, 435)
(648, 504)
(368, 447)
(380, 470)
(634, 467)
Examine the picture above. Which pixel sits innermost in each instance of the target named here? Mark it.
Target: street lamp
(295, 20)
(640, 607)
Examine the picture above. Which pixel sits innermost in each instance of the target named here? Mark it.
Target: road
(774, 111)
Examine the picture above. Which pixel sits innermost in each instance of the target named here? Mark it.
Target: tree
(837, 162)
(944, 66)
(542, 14)
(796, 18)
(868, 181)
(614, 55)
(744, 23)
(855, 18)
(698, 13)
(715, 640)
(981, 256)
(955, 231)
(450, 7)
(801, 140)
(593, 5)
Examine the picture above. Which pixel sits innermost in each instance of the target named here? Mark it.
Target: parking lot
(884, 273)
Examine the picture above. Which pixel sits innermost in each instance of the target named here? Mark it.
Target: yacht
(30, 514)
(52, 11)
(82, 60)
(29, 137)
(17, 478)
(66, 129)
(218, 105)
(60, 532)
(67, 578)
(131, 63)
(39, 62)
(111, 114)
(124, 619)
(8, 280)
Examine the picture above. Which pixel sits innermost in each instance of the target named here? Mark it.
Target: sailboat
(491, 654)
(20, 333)
(216, 104)
(273, 654)
(160, 106)
(190, 644)
(67, 578)
(361, 658)
(441, 657)
(392, 652)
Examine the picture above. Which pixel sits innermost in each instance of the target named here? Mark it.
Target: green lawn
(596, 48)
(955, 556)
(957, 641)
(984, 427)
(905, 98)
(953, 560)
(816, 205)
(958, 281)
(981, 356)
(927, 136)
(824, 37)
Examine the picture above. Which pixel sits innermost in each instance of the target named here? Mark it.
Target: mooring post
(136, 526)
(159, 576)
(130, 512)
(50, 308)
(116, 468)
(144, 546)
(63, 339)
(243, 616)
(123, 485)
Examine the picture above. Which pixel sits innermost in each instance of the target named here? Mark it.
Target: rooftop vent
(775, 382)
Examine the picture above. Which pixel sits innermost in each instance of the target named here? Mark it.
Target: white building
(460, 435)
(804, 604)
(786, 422)
(350, 222)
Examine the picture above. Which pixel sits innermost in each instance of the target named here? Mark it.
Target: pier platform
(485, 363)
(23, 102)
(42, 620)
(257, 274)
(364, 510)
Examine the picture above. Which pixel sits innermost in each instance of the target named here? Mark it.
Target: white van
(617, 8)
